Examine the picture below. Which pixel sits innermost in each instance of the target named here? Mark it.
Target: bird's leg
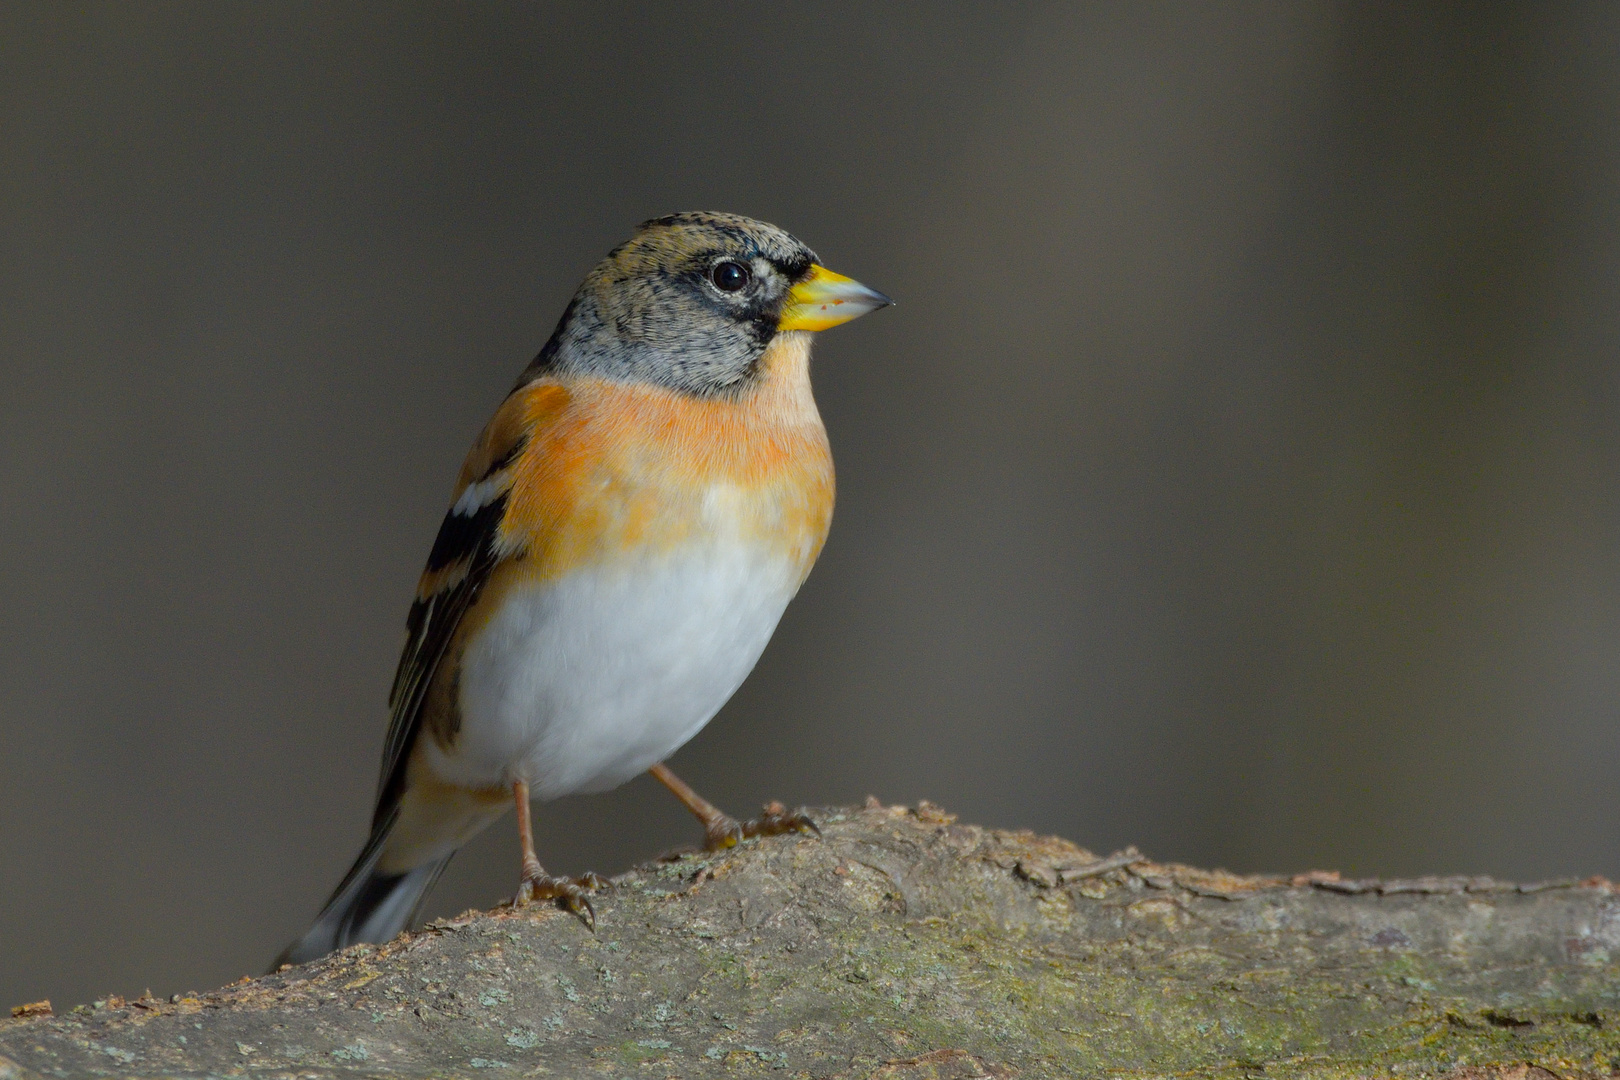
(569, 893)
(720, 829)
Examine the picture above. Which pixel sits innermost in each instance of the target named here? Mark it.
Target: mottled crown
(700, 231)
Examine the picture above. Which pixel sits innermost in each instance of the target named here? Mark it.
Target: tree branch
(901, 945)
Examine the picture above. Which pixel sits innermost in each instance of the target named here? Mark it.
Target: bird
(623, 538)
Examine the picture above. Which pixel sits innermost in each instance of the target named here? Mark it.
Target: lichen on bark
(903, 944)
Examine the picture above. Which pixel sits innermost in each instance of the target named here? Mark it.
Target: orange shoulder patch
(504, 437)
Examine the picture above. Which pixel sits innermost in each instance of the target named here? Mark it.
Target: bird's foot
(571, 894)
(775, 819)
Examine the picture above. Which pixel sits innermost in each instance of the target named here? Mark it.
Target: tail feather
(368, 906)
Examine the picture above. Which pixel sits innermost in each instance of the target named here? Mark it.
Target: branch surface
(904, 945)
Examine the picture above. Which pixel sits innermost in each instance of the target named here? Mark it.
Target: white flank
(580, 684)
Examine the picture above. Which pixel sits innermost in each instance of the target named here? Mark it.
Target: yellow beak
(826, 299)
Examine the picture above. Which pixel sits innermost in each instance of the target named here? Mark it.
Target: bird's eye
(729, 276)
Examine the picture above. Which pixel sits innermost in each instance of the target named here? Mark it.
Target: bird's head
(693, 300)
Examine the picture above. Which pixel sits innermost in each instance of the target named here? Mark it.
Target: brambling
(624, 536)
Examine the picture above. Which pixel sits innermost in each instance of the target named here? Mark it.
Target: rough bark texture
(902, 944)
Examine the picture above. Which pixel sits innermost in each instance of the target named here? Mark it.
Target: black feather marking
(505, 459)
(431, 625)
(460, 536)
(467, 539)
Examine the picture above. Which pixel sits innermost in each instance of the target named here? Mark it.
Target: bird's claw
(774, 820)
(571, 894)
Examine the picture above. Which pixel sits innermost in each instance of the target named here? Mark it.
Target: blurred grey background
(1237, 476)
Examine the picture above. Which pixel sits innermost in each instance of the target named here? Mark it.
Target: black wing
(463, 557)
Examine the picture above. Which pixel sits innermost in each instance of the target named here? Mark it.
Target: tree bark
(901, 944)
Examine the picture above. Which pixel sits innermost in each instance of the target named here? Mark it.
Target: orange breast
(612, 469)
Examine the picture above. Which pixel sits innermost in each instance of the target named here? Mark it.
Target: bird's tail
(368, 906)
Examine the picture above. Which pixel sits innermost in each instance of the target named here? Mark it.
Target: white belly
(580, 684)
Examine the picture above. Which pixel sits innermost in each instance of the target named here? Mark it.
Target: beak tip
(826, 299)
